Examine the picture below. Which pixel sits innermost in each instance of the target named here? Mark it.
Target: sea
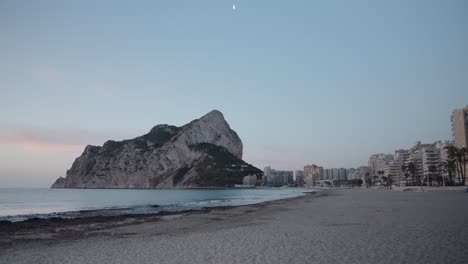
(22, 204)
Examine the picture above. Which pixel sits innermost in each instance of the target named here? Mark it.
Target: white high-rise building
(426, 159)
(379, 162)
(250, 180)
(276, 177)
(362, 173)
(394, 168)
(299, 176)
(350, 174)
(312, 173)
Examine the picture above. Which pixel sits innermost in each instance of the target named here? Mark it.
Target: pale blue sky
(326, 82)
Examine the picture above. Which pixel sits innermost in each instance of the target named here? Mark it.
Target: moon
(233, 7)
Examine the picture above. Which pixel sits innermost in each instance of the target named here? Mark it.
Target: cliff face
(204, 153)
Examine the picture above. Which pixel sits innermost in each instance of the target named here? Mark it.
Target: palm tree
(403, 169)
(381, 174)
(374, 179)
(453, 155)
(384, 180)
(465, 161)
(462, 158)
(367, 179)
(448, 167)
(389, 181)
(432, 170)
(412, 170)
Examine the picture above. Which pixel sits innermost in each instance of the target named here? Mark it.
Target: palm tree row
(457, 158)
(410, 169)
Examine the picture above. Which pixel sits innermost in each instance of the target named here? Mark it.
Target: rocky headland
(203, 153)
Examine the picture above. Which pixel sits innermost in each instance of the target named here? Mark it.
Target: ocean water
(22, 204)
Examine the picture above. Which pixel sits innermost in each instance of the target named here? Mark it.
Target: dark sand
(341, 226)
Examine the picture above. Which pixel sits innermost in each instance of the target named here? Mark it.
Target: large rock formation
(204, 153)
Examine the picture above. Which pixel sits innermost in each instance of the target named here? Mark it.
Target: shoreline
(145, 207)
(10, 229)
(335, 226)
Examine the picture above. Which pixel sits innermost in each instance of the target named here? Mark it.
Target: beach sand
(339, 226)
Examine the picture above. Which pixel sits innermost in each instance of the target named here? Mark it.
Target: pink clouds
(52, 140)
(34, 145)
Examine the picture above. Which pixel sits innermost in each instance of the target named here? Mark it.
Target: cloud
(41, 146)
(38, 138)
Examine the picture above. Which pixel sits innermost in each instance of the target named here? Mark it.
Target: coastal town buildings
(264, 180)
(280, 178)
(288, 176)
(342, 174)
(355, 175)
(426, 159)
(335, 174)
(432, 157)
(394, 168)
(250, 180)
(460, 127)
(362, 172)
(460, 130)
(415, 157)
(327, 174)
(312, 173)
(350, 173)
(299, 177)
(274, 177)
(379, 162)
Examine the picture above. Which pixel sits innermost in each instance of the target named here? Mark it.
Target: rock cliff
(203, 153)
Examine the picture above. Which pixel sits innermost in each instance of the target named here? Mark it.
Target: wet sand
(339, 226)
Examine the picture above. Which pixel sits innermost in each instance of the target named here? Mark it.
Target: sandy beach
(339, 226)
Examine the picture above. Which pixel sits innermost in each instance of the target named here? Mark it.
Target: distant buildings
(342, 174)
(350, 174)
(312, 173)
(379, 162)
(299, 177)
(460, 127)
(394, 168)
(338, 174)
(361, 173)
(426, 159)
(274, 177)
(315, 175)
(250, 180)
(460, 130)
(327, 174)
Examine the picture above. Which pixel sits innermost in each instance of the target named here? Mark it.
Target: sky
(327, 82)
